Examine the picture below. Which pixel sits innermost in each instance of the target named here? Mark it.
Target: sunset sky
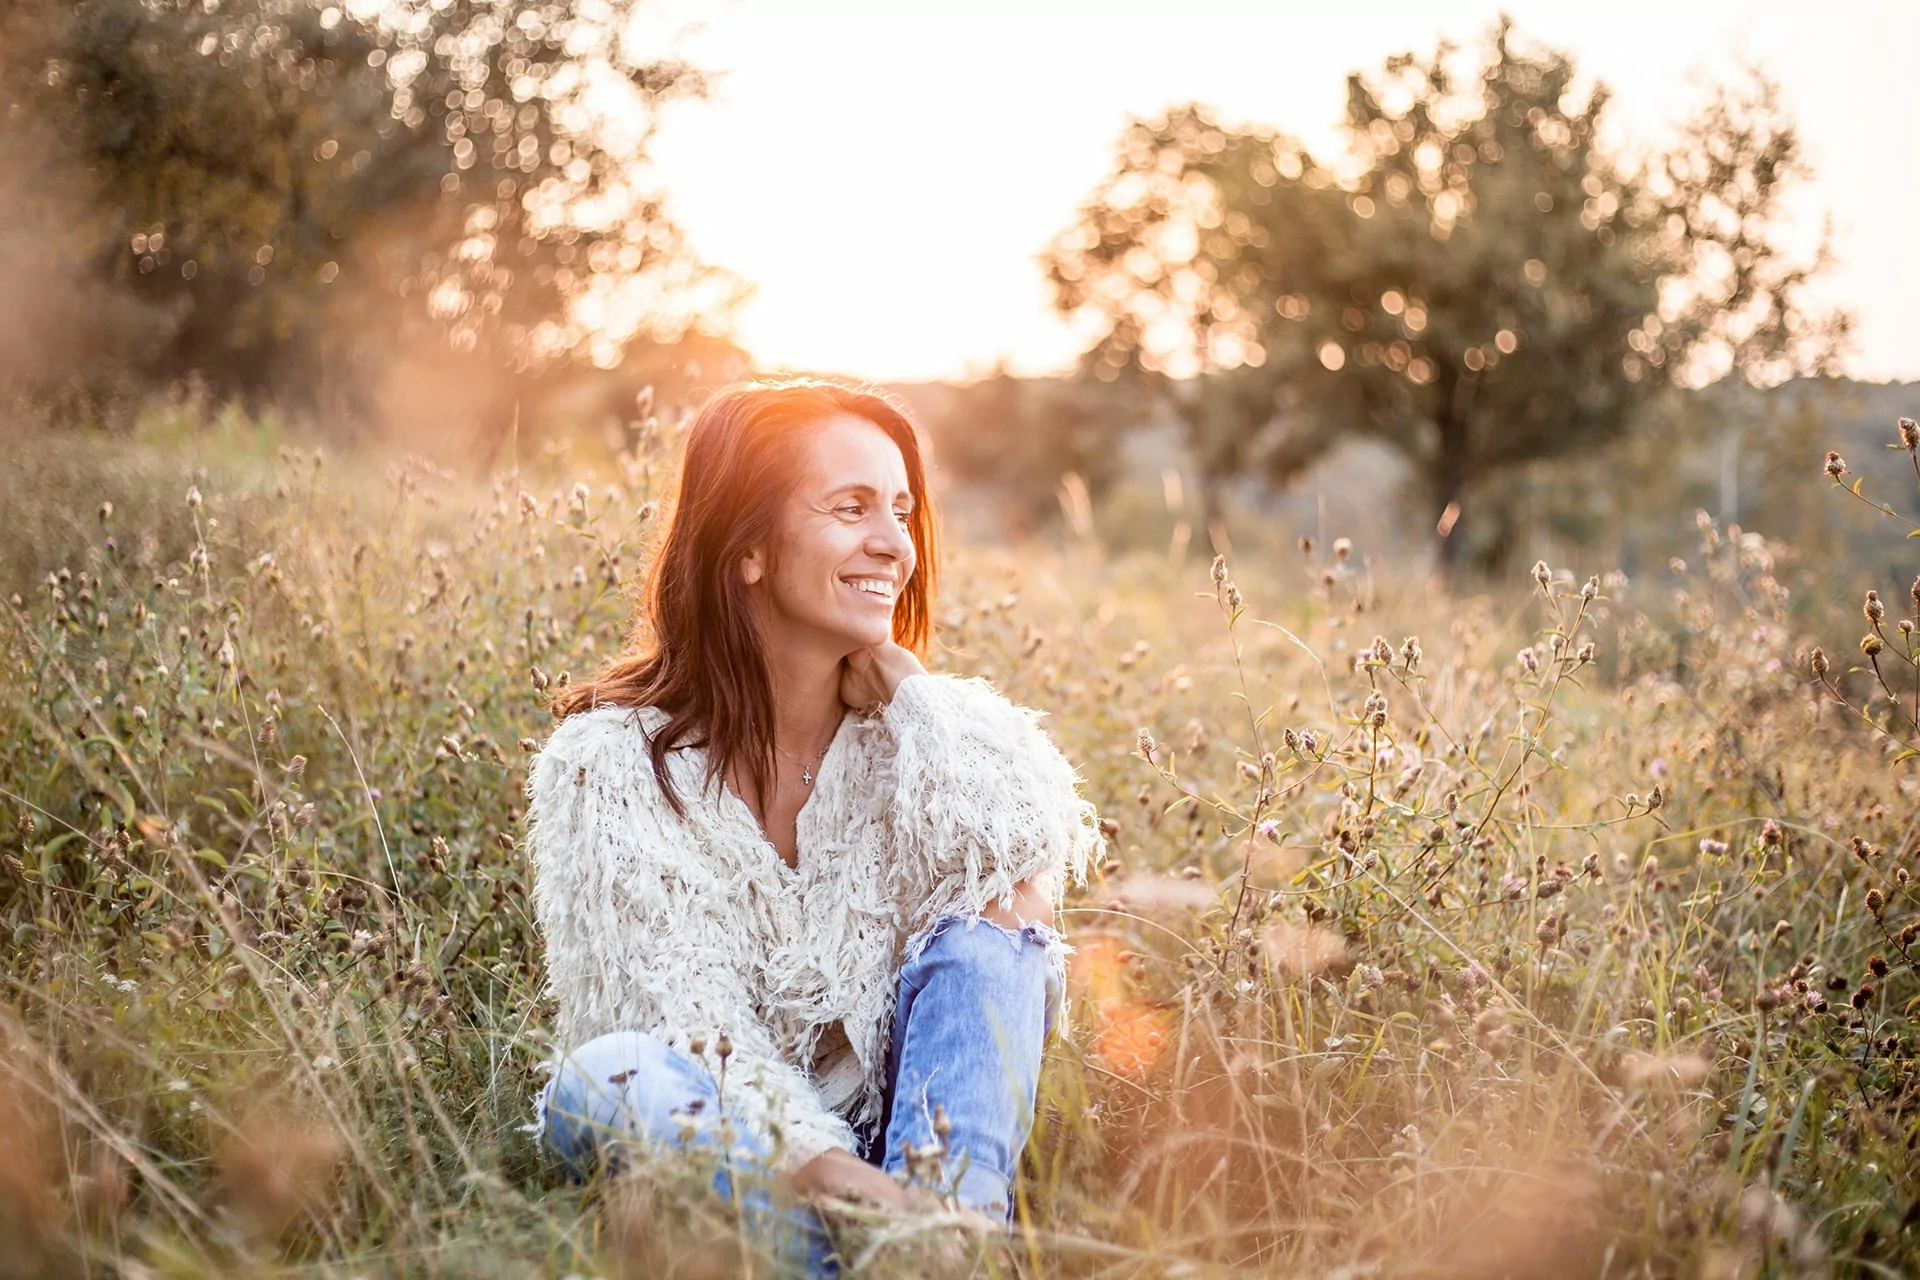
(886, 173)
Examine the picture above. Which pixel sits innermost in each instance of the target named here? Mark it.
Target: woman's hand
(840, 1175)
(869, 676)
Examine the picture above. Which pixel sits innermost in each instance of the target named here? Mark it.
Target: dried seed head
(1145, 744)
(1876, 901)
(1586, 652)
(1862, 995)
(1873, 609)
(1819, 663)
(193, 497)
(1219, 570)
(723, 1046)
(106, 512)
(1871, 644)
(1342, 548)
(1528, 661)
(1877, 965)
(1410, 652)
(697, 1045)
(1909, 434)
(1542, 574)
(1836, 465)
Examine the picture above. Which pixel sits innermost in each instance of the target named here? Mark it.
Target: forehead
(849, 450)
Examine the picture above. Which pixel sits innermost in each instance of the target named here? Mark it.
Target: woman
(797, 893)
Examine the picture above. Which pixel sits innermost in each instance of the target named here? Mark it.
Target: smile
(879, 588)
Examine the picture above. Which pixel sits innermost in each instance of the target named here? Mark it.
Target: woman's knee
(1030, 905)
(623, 1086)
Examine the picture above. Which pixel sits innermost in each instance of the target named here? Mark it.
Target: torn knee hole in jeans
(1046, 935)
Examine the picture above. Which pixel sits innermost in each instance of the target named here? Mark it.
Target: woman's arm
(982, 801)
(639, 935)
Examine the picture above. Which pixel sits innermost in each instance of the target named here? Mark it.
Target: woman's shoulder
(612, 736)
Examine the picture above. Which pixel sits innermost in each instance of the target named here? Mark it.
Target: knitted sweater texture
(690, 927)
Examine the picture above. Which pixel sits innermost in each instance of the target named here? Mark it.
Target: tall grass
(1565, 930)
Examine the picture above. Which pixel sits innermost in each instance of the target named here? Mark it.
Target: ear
(752, 567)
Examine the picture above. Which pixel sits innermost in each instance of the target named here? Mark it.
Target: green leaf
(212, 857)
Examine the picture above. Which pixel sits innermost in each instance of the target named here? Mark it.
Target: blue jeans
(969, 1026)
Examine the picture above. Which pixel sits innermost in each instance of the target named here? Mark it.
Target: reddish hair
(694, 650)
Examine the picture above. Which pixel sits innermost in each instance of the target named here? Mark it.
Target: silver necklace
(806, 770)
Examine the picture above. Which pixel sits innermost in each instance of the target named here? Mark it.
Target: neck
(806, 701)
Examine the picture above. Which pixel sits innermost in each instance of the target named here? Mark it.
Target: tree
(294, 194)
(1481, 286)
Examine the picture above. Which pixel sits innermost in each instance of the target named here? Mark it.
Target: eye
(904, 517)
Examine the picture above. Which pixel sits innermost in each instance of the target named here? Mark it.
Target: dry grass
(1492, 953)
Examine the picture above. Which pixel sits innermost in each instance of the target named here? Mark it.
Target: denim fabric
(969, 1028)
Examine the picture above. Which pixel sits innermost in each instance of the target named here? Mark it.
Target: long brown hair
(694, 650)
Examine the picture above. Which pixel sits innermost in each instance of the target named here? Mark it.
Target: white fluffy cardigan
(685, 928)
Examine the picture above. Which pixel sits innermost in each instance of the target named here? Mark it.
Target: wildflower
(296, 766)
(1877, 965)
(1871, 644)
(1836, 465)
(1542, 574)
(1713, 848)
(1145, 744)
(1234, 598)
(540, 681)
(1876, 901)
(1219, 570)
(1590, 588)
(1586, 653)
(1410, 652)
(303, 816)
(1873, 609)
(1528, 662)
(580, 495)
(1909, 434)
(1818, 660)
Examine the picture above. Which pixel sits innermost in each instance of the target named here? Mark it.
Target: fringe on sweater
(686, 928)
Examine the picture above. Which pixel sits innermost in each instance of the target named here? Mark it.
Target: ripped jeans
(974, 1009)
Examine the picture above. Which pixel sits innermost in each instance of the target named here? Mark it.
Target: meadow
(1565, 927)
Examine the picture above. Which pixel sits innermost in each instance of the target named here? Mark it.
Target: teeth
(872, 586)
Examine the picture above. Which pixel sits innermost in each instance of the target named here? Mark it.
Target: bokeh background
(1446, 471)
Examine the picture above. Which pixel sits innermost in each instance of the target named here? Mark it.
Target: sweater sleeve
(982, 799)
(637, 925)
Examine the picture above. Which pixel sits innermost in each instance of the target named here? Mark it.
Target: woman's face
(843, 554)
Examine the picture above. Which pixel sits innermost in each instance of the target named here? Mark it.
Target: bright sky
(886, 172)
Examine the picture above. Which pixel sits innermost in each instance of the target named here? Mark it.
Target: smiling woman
(770, 833)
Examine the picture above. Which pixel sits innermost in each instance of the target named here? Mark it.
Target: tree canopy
(281, 196)
(1478, 282)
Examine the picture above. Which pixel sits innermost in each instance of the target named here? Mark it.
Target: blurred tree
(1479, 287)
(296, 193)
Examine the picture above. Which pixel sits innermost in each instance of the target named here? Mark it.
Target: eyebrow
(868, 490)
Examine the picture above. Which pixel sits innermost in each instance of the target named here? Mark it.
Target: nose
(891, 541)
